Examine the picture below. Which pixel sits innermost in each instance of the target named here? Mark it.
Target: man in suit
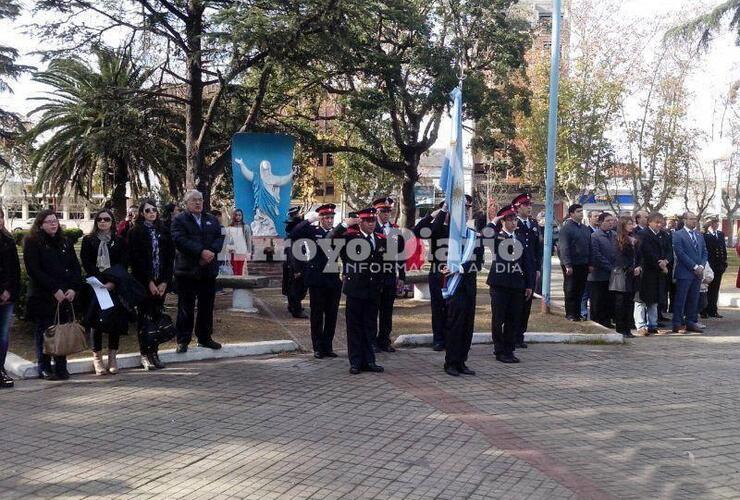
(198, 239)
(528, 228)
(593, 226)
(320, 276)
(294, 286)
(602, 261)
(690, 258)
(511, 280)
(717, 251)
(362, 255)
(394, 274)
(641, 222)
(654, 264)
(574, 248)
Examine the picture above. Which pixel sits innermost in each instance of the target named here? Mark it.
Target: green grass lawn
(730, 276)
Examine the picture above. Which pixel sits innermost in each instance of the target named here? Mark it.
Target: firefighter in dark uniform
(322, 280)
(394, 274)
(435, 227)
(362, 256)
(511, 281)
(528, 228)
(293, 286)
(460, 309)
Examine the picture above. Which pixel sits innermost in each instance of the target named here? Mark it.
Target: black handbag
(155, 331)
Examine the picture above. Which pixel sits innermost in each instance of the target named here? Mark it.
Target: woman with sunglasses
(152, 262)
(52, 266)
(102, 249)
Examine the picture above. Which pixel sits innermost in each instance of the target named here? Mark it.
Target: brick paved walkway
(657, 418)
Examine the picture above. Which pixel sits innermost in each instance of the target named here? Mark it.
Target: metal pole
(552, 129)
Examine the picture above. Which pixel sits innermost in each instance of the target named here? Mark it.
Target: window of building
(330, 189)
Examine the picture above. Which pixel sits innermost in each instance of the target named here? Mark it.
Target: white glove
(312, 217)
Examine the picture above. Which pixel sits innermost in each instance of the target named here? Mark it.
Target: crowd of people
(624, 272)
(629, 273)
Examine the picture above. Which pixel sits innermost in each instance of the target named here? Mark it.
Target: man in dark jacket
(362, 255)
(602, 261)
(435, 228)
(198, 239)
(322, 280)
(574, 249)
(294, 285)
(394, 274)
(511, 280)
(717, 251)
(654, 265)
(528, 228)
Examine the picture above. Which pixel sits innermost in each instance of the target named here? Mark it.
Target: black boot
(5, 381)
(157, 362)
(60, 367)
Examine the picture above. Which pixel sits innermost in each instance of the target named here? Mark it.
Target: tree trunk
(408, 194)
(118, 196)
(194, 109)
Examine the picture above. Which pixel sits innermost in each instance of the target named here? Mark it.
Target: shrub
(72, 234)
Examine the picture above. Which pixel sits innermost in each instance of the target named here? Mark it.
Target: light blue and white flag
(452, 182)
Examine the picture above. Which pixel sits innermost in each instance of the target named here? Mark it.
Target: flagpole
(552, 129)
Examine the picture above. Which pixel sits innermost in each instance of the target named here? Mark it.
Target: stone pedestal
(242, 299)
(421, 291)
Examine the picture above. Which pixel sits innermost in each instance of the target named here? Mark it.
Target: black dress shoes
(5, 381)
(47, 374)
(465, 370)
(693, 327)
(438, 347)
(62, 374)
(301, 315)
(676, 329)
(452, 370)
(353, 370)
(181, 348)
(157, 362)
(210, 344)
(385, 348)
(522, 345)
(628, 335)
(330, 354)
(372, 367)
(652, 330)
(506, 358)
(318, 355)
(716, 315)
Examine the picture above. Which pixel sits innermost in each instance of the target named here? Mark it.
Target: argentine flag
(452, 183)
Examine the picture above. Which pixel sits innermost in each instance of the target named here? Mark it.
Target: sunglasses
(103, 219)
(150, 210)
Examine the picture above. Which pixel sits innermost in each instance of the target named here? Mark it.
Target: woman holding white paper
(101, 250)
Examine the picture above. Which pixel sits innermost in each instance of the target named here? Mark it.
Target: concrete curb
(729, 299)
(424, 339)
(22, 368)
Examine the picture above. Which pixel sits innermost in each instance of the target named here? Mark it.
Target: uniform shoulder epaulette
(381, 236)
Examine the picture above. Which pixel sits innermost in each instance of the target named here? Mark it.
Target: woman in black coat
(10, 284)
(626, 260)
(152, 260)
(101, 250)
(54, 271)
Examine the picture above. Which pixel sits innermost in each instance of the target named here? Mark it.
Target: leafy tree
(203, 50)
(708, 24)
(10, 123)
(390, 73)
(95, 125)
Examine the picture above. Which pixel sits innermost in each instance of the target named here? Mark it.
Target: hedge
(72, 234)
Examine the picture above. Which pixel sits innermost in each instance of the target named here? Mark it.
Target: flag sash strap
(454, 280)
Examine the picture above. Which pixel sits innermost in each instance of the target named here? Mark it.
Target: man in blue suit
(691, 256)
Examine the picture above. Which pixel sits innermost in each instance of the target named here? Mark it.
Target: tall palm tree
(708, 24)
(102, 127)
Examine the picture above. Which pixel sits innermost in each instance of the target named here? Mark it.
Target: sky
(719, 66)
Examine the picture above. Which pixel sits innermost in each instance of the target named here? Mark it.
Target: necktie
(693, 240)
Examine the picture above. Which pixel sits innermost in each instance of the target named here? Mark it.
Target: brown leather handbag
(63, 339)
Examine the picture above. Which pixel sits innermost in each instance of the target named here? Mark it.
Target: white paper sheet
(101, 293)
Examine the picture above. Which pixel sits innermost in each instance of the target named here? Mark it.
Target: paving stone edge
(423, 339)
